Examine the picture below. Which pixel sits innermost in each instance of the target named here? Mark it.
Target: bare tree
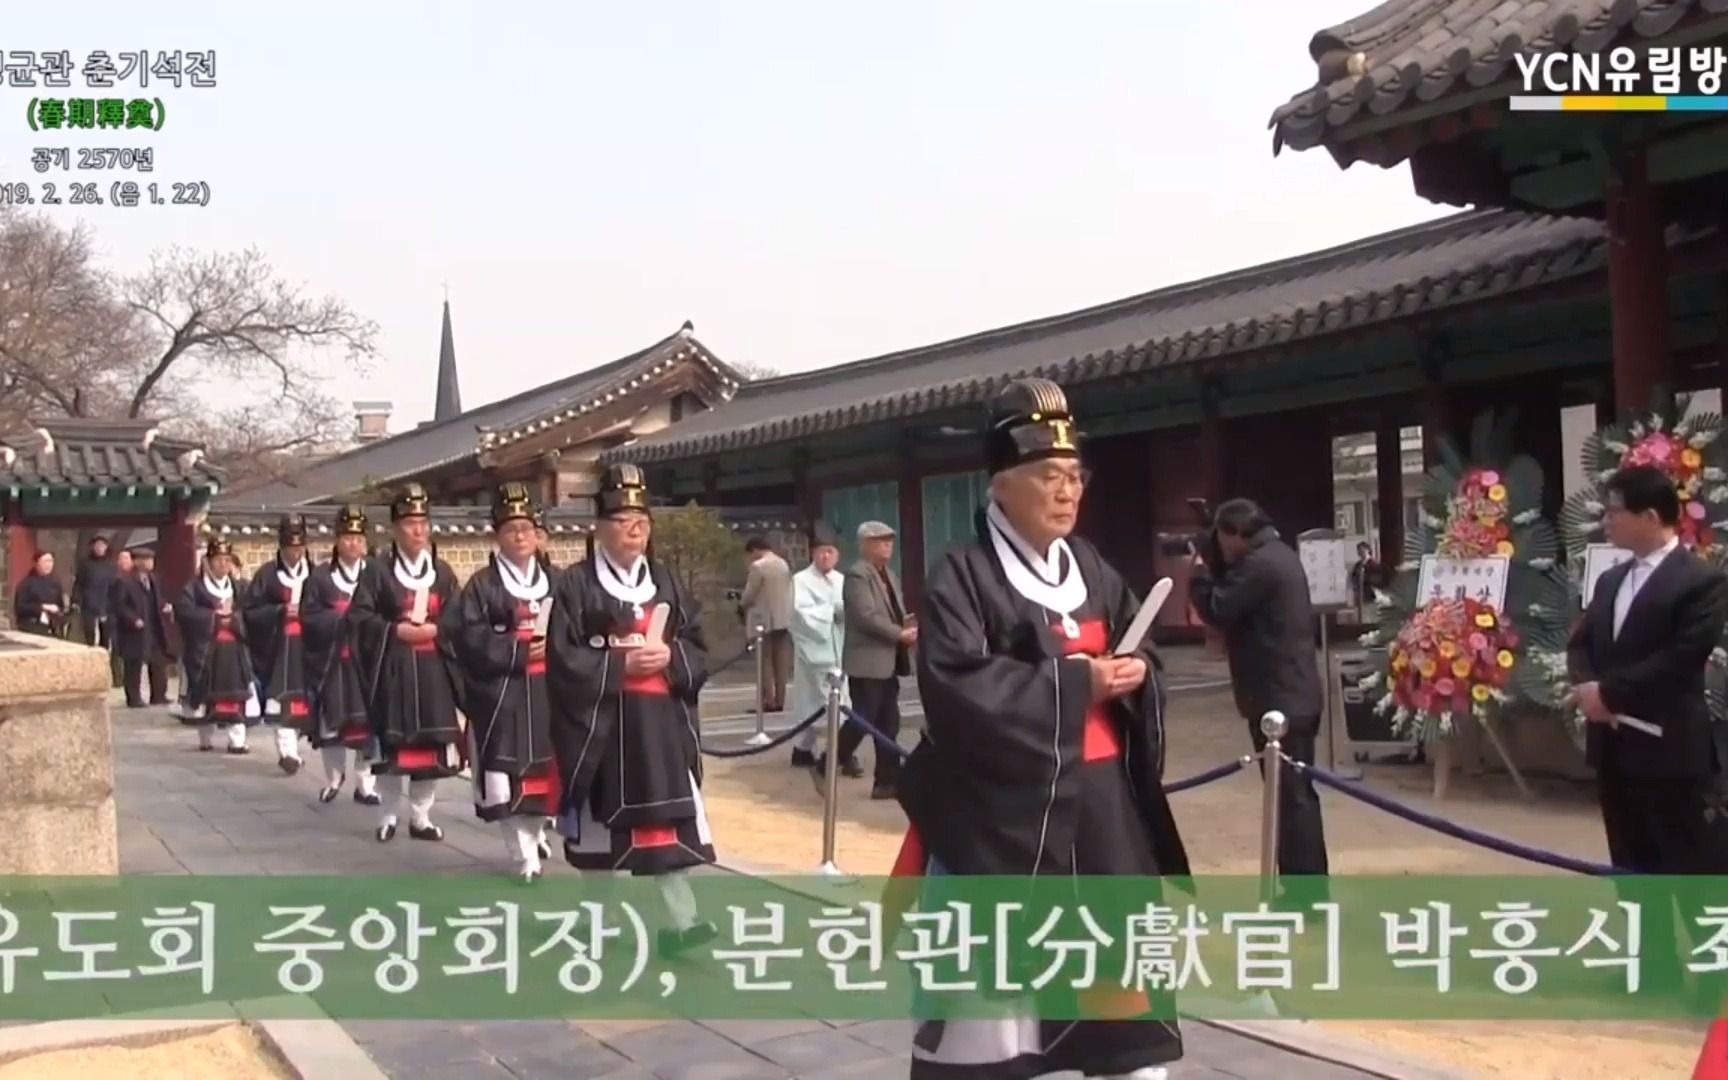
(754, 371)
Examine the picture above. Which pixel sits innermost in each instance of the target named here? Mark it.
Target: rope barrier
(1452, 829)
(778, 740)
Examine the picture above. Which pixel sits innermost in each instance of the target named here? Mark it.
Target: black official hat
(1029, 421)
(412, 502)
(291, 530)
(218, 546)
(623, 487)
(351, 520)
(514, 502)
(822, 534)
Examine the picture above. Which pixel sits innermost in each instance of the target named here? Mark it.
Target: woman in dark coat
(40, 604)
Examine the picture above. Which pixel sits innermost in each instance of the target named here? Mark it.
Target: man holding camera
(1250, 585)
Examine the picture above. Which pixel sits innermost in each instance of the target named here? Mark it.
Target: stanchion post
(831, 779)
(759, 642)
(1273, 725)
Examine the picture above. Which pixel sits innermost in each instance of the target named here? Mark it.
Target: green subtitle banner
(449, 947)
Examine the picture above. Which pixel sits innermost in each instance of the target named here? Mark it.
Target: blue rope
(1453, 829)
(1229, 768)
(778, 740)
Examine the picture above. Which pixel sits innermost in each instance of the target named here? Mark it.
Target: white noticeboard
(1456, 579)
(1598, 560)
(1326, 563)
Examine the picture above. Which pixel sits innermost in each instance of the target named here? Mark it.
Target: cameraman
(1250, 585)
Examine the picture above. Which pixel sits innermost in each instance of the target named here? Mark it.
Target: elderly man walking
(767, 606)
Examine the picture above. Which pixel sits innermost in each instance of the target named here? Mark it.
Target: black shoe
(850, 768)
(368, 798)
(544, 849)
(328, 795)
(386, 833)
(426, 832)
(289, 765)
(675, 943)
(802, 759)
(883, 791)
(130, 704)
(239, 750)
(155, 704)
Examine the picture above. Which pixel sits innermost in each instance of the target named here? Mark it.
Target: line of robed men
(570, 696)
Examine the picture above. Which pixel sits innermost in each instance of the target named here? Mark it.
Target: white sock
(252, 705)
(392, 800)
(680, 900)
(287, 742)
(272, 707)
(207, 736)
(237, 736)
(335, 758)
(1146, 1072)
(521, 840)
(421, 794)
(364, 780)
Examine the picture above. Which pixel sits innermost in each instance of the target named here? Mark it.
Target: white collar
(418, 575)
(1052, 581)
(531, 586)
(221, 590)
(299, 572)
(343, 579)
(1654, 559)
(633, 585)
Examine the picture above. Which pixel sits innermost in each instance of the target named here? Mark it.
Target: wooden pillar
(1389, 486)
(910, 489)
(20, 547)
(805, 494)
(1214, 470)
(1437, 408)
(1637, 284)
(176, 551)
(710, 483)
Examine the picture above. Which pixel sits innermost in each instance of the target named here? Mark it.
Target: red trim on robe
(418, 757)
(525, 620)
(297, 708)
(654, 684)
(1100, 740)
(225, 708)
(653, 836)
(537, 783)
(292, 629)
(433, 603)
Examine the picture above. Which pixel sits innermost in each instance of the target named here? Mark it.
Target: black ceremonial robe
(411, 690)
(1021, 773)
(218, 667)
(36, 592)
(510, 726)
(277, 643)
(332, 669)
(627, 746)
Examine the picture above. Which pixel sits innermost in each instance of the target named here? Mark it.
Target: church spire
(449, 403)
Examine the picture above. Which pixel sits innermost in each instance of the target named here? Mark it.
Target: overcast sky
(809, 183)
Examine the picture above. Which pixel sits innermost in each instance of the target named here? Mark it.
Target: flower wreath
(1448, 657)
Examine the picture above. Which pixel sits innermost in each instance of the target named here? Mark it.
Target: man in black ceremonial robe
(340, 728)
(275, 632)
(498, 627)
(1043, 752)
(220, 692)
(410, 673)
(624, 700)
(141, 629)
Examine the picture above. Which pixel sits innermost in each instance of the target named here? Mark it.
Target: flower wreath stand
(1477, 595)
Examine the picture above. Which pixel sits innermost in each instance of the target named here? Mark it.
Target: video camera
(1178, 545)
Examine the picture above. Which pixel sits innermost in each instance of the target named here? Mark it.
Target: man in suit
(141, 630)
(1250, 584)
(767, 606)
(875, 653)
(1640, 653)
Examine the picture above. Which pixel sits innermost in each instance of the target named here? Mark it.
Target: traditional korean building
(1231, 385)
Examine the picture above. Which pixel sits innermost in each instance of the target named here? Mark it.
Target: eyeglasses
(1056, 481)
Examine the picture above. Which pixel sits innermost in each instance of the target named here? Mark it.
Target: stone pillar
(1389, 486)
(1637, 284)
(57, 804)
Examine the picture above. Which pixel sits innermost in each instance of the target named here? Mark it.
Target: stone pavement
(183, 812)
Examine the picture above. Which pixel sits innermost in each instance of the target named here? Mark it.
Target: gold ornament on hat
(412, 502)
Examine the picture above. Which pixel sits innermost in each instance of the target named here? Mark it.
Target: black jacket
(1654, 670)
(93, 587)
(1261, 605)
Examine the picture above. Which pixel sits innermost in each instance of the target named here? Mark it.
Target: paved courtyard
(182, 812)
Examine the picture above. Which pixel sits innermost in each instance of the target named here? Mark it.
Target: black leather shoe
(386, 833)
(237, 750)
(368, 798)
(850, 768)
(545, 850)
(674, 943)
(328, 795)
(426, 832)
(289, 765)
(882, 791)
(802, 759)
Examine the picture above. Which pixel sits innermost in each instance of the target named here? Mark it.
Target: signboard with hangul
(1326, 563)
(1460, 579)
(1598, 560)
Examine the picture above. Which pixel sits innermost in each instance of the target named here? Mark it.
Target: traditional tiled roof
(1454, 260)
(443, 443)
(1406, 53)
(472, 520)
(102, 454)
